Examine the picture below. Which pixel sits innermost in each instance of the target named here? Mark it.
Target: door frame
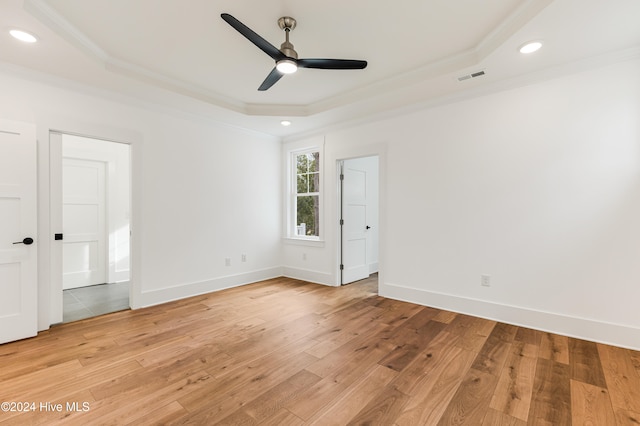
(55, 286)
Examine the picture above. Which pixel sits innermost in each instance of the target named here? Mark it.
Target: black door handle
(368, 227)
(27, 241)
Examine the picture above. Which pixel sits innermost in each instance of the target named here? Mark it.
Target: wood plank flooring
(285, 352)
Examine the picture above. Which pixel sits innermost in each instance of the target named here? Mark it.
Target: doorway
(358, 213)
(94, 243)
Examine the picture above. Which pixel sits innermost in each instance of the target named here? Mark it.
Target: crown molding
(57, 23)
(140, 102)
(507, 28)
(174, 85)
(52, 19)
(535, 77)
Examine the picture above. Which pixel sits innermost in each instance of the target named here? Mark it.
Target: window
(306, 194)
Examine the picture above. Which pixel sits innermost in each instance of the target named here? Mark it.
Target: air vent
(470, 76)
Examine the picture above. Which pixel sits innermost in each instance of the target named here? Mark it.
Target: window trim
(293, 195)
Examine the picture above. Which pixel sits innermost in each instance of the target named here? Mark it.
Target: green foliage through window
(308, 194)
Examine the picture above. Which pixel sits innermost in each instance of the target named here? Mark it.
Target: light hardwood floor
(284, 352)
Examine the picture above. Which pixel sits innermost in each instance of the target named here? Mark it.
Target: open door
(359, 207)
(18, 225)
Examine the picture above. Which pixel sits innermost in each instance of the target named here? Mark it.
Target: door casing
(55, 226)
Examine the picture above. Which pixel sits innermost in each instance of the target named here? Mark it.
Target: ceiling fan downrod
(287, 24)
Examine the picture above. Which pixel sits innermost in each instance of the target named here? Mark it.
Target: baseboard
(168, 294)
(308, 275)
(373, 268)
(582, 328)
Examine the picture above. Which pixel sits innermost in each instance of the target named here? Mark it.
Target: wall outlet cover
(485, 280)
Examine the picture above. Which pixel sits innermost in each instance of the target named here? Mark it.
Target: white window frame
(293, 195)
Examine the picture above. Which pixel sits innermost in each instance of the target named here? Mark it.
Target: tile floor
(87, 302)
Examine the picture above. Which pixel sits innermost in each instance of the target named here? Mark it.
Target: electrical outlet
(227, 261)
(244, 257)
(485, 280)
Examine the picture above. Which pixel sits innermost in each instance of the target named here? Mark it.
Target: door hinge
(341, 221)
(57, 237)
(341, 176)
(341, 267)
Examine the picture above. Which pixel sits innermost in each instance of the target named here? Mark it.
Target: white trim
(55, 287)
(345, 152)
(50, 299)
(292, 194)
(308, 242)
(583, 328)
(172, 108)
(56, 157)
(308, 275)
(410, 106)
(185, 290)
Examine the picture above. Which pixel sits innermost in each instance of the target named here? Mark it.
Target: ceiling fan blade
(332, 64)
(271, 79)
(253, 37)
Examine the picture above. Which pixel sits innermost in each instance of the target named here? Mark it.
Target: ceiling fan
(286, 57)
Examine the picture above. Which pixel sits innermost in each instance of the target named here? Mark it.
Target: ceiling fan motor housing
(287, 49)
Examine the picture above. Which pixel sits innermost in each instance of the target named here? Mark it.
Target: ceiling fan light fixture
(530, 47)
(286, 58)
(286, 66)
(23, 36)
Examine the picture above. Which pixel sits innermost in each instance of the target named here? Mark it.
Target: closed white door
(18, 224)
(354, 223)
(83, 222)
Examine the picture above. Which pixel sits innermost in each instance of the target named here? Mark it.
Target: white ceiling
(181, 54)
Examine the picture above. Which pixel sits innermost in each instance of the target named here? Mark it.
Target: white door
(354, 223)
(18, 224)
(84, 249)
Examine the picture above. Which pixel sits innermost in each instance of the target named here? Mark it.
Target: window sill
(303, 242)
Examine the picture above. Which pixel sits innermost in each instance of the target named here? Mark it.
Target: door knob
(27, 241)
(368, 227)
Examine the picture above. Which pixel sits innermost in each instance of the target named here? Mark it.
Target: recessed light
(530, 46)
(285, 123)
(23, 36)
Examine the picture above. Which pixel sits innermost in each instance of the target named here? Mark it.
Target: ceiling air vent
(470, 76)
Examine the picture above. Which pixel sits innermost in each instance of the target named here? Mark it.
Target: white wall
(201, 191)
(210, 193)
(537, 186)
